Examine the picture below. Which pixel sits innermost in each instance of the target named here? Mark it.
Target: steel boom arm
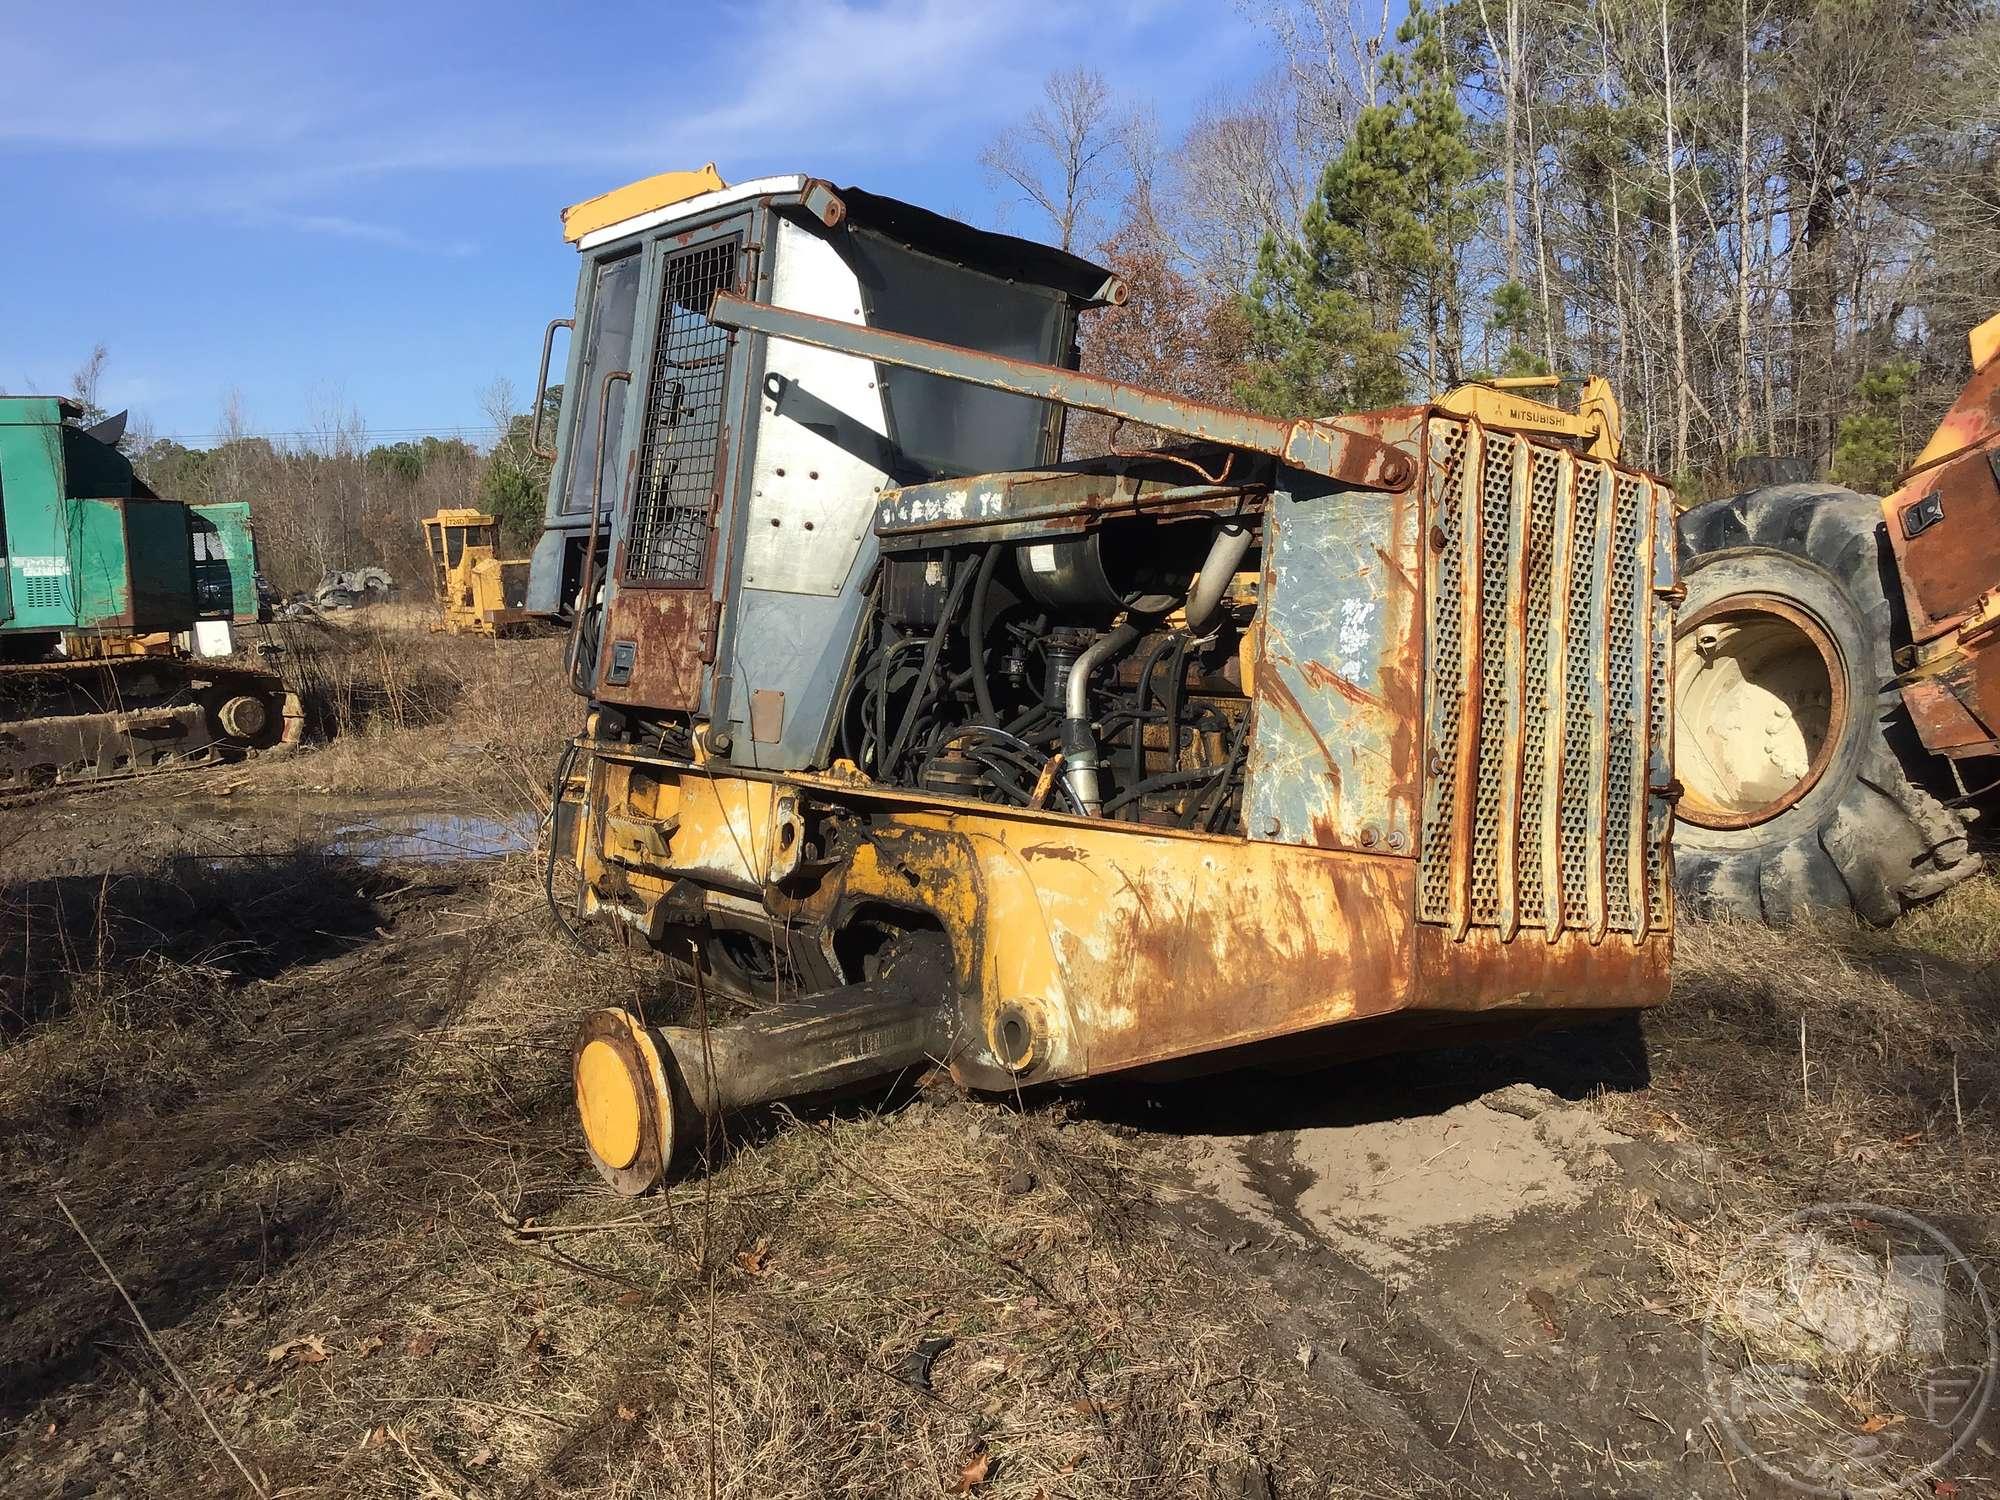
(1353, 458)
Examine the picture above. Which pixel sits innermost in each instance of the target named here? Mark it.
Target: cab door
(658, 638)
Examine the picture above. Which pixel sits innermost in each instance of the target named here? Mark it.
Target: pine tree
(1872, 447)
(1379, 252)
(1513, 317)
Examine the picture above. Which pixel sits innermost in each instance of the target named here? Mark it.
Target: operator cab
(712, 486)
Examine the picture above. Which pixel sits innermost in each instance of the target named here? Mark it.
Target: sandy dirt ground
(293, 1063)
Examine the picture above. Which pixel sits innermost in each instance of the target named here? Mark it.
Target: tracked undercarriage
(70, 721)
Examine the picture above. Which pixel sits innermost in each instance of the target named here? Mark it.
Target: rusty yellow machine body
(478, 592)
(1298, 739)
(1596, 428)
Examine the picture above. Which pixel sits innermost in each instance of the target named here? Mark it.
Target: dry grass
(400, 707)
(365, 1142)
(1825, 1063)
(1844, 1051)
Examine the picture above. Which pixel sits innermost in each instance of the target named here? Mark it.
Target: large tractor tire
(1802, 778)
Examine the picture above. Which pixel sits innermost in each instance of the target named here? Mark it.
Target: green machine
(100, 577)
(225, 561)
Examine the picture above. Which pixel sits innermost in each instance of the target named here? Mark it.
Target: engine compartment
(1090, 663)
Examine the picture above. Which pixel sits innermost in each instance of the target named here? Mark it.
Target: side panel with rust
(1122, 948)
(1944, 530)
(1339, 682)
(1955, 559)
(1956, 708)
(1105, 947)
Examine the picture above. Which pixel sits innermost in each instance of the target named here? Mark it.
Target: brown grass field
(310, 1113)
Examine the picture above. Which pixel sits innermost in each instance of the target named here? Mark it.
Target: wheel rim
(1760, 702)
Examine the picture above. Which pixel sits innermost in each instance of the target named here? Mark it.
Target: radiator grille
(44, 592)
(673, 505)
(1447, 658)
(1496, 488)
(1560, 684)
(1586, 582)
(1545, 479)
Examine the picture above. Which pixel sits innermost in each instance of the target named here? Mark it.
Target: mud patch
(1383, 1192)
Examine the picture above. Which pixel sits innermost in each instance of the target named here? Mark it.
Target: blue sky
(327, 207)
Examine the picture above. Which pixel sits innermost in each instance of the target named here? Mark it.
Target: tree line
(1769, 222)
(333, 498)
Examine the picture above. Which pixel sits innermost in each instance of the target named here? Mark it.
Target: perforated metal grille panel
(1624, 752)
(44, 592)
(673, 505)
(1544, 482)
(1447, 662)
(1560, 681)
(1496, 490)
(1657, 699)
(1582, 708)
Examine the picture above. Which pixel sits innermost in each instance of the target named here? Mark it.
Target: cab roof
(672, 197)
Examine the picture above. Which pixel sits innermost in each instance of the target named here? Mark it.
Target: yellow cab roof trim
(635, 198)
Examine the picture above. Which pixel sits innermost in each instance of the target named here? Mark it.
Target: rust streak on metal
(1272, 685)
(1320, 675)
(1403, 575)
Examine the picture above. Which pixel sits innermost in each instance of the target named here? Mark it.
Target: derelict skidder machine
(1289, 737)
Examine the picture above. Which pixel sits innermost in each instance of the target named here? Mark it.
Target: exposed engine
(1099, 673)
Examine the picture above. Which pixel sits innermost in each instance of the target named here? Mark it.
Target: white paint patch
(42, 567)
(1356, 617)
(812, 497)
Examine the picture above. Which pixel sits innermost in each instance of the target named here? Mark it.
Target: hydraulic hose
(975, 630)
(922, 691)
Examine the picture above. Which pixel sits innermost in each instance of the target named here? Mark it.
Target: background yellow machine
(478, 592)
(926, 746)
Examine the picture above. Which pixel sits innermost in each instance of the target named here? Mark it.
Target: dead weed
(342, 1187)
(398, 707)
(1828, 1062)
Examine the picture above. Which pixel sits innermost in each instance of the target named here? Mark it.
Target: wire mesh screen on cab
(673, 507)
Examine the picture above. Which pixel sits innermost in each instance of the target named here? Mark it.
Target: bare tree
(1064, 157)
(1507, 59)
(1246, 170)
(1681, 392)
(84, 382)
(500, 408)
(1743, 419)
(1333, 52)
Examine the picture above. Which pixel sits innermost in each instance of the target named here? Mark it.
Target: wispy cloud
(376, 234)
(268, 126)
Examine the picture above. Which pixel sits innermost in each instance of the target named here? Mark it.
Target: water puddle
(432, 838)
